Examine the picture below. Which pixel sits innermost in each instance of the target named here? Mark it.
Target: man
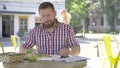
(52, 37)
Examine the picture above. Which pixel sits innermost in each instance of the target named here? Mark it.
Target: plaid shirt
(51, 43)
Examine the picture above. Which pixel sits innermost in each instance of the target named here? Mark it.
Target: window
(118, 21)
(87, 20)
(102, 21)
(94, 21)
(94, 1)
(23, 23)
(118, 4)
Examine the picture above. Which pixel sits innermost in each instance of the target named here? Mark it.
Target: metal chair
(15, 40)
(1, 44)
(117, 61)
(108, 49)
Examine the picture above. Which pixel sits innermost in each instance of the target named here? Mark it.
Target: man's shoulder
(65, 27)
(38, 27)
(63, 24)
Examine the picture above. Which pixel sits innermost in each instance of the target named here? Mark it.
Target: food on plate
(32, 58)
(29, 51)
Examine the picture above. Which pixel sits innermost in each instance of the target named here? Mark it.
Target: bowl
(11, 57)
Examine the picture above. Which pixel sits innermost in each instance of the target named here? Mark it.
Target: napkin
(44, 58)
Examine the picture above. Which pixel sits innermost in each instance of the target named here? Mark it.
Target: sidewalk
(88, 45)
(88, 49)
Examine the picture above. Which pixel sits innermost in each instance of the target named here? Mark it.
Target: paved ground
(88, 48)
(88, 44)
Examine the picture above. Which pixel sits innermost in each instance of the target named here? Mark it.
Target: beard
(49, 24)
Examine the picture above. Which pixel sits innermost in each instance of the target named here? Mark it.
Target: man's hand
(28, 52)
(64, 52)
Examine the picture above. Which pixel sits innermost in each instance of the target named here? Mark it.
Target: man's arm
(22, 49)
(29, 43)
(72, 47)
(75, 50)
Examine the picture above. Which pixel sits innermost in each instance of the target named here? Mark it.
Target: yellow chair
(108, 49)
(1, 44)
(117, 61)
(14, 41)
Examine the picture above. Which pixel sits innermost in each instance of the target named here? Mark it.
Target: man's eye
(43, 16)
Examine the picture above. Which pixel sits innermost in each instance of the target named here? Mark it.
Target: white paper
(71, 59)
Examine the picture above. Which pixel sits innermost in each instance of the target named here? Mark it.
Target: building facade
(22, 15)
(98, 22)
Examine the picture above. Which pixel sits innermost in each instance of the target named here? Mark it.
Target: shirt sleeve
(71, 38)
(30, 42)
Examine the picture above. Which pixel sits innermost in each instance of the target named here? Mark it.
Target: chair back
(107, 43)
(110, 54)
(1, 44)
(14, 41)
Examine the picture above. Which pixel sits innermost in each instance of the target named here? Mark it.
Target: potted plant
(21, 32)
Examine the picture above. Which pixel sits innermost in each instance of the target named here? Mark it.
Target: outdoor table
(44, 64)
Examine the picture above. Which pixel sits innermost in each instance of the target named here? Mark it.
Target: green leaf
(39, 55)
(32, 59)
(29, 51)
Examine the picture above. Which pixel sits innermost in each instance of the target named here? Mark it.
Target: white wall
(16, 24)
(15, 5)
(34, 1)
(0, 26)
(18, 6)
(31, 7)
(31, 22)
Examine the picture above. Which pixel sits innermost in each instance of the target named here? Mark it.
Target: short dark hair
(45, 5)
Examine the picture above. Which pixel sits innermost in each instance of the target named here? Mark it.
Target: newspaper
(71, 59)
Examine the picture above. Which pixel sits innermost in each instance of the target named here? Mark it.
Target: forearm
(74, 50)
(23, 49)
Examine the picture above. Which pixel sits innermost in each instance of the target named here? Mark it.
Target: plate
(44, 58)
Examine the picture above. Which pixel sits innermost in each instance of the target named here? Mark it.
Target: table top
(44, 64)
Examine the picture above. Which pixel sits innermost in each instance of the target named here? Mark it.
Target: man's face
(47, 17)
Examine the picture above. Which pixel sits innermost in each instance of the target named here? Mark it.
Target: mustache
(49, 21)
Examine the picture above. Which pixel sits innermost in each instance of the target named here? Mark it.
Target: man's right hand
(25, 50)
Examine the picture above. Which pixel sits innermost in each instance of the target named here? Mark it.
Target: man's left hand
(64, 52)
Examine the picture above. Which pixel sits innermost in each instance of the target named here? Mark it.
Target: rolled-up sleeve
(30, 42)
(71, 38)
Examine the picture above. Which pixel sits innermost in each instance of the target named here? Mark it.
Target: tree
(112, 12)
(79, 9)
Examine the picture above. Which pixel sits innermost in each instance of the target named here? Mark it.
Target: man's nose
(46, 18)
